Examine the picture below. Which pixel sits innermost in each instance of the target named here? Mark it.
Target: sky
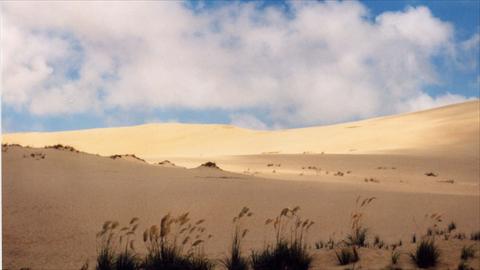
(253, 64)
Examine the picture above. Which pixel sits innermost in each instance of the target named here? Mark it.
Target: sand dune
(53, 207)
(55, 200)
(451, 130)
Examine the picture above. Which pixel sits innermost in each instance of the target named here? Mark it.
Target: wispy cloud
(321, 62)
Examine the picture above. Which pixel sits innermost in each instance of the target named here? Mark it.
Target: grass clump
(117, 253)
(467, 252)
(176, 245)
(394, 257)
(289, 251)
(475, 236)
(426, 254)
(464, 266)
(358, 234)
(235, 260)
(106, 246)
(126, 261)
(347, 255)
(281, 256)
(451, 226)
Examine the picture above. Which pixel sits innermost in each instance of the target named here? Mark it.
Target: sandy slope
(53, 206)
(451, 130)
(54, 201)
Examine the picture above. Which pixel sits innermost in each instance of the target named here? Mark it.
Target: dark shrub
(426, 254)
(347, 255)
(282, 256)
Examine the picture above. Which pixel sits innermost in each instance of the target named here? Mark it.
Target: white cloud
(425, 101)
(325, 62)
(247, 121)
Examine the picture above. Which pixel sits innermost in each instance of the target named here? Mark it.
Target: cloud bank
(311, 63)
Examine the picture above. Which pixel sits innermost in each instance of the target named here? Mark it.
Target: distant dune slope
(452, 130)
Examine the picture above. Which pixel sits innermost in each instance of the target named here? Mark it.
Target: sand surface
(448, 131)
(55, 200)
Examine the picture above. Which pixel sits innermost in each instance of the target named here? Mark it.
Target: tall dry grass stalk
(177, 243)
(289, 251)
(235, 260)
(358, 235)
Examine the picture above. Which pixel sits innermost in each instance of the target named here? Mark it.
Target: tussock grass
(451, 226)
(394, 257)
(426, 254)
(464, 266)
(467, 252)
(475, 236)
(235, 260)
(106, 246)
(62, 147)
(126, 260)
(281, 256)
(289, 251)
(133, 156)
(210, 164)
(358, 235)
(347, 255)
(176, 244)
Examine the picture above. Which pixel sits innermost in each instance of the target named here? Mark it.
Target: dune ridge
(451, 129)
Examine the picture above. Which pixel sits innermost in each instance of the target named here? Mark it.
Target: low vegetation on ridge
(178, 243)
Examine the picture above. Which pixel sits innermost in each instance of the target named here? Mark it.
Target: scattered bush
(339, 173)
(394, 257)
(210, 164)
(357, 237)
(452, 226)
(373, 180)
(475, 236)
(464, 266)
(467, 252)
(427, 254)
(460, 236)
(133, 156)
(347, 255)
(376, 240)
(62, 147)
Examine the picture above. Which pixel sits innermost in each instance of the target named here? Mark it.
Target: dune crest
(452, 129)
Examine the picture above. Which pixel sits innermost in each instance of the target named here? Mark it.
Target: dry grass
(358, 235)
(62, 147)
(177, 243)
(347, 255)
(289, 251)
(235, 260)
(426, 254)
(467, 252)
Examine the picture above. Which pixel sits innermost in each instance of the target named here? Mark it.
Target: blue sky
(259, 65)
